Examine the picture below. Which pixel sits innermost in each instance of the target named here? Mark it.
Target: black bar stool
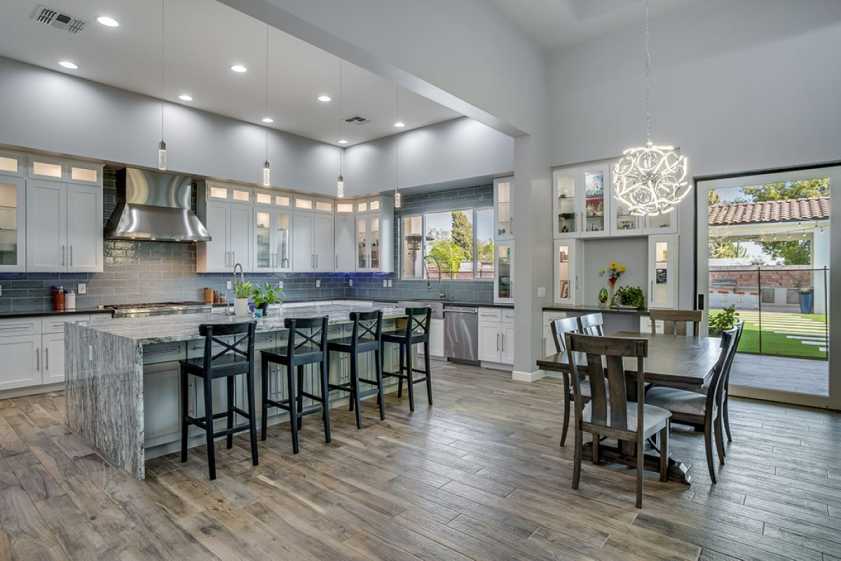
(302, 348)
(415, 332)
(228, 363)
(366, 336)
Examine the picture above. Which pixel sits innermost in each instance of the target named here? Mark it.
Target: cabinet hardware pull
(71, 255)
(62, 256)
(497, 341)
(502, 336)
(651, 294)
(47, 359)
(37, 360)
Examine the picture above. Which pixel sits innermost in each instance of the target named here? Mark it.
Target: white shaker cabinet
(272, 239)
(496, 336)
(662, 271)
(46, 227)
(20, 346)
(323, 243)
(84, 228)
(229, 225)
(239, 235)
(345, 244)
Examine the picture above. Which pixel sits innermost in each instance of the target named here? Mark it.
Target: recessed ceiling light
(69, 64)
(185, 97)
(342, 141)
(399, 125)
(324, 98)
(108, 21)
(239, 68)
(267, 120)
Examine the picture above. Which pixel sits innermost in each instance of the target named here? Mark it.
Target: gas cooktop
(158, 309)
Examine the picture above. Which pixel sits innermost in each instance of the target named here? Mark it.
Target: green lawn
(778, 328)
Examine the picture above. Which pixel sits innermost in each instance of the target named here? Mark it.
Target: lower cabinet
(436, 339)
(496, 336)
(33, 351)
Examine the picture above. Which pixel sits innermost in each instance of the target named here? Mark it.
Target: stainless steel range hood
(154, 206)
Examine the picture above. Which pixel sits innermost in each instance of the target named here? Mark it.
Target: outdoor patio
(781, 373)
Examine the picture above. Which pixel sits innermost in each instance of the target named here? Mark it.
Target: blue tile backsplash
(136, 272)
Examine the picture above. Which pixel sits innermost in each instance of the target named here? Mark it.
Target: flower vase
(241, 307)
(611, 294)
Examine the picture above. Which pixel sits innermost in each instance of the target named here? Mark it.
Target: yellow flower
(613, 264)
(621, 268)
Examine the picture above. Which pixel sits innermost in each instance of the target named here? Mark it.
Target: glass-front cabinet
(12, 223)
(504, 277)
(581, 201)
(566, 275)
(272, 226)
(504, 210)
(368, 254)
(662, 271)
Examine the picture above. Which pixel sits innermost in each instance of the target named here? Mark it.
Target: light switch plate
(1, 290)
(280, 284)
(229, 285)
(318, 283)
(390, 283)
(385, 283)
(81, 288)
(350, 283)
(541, 291)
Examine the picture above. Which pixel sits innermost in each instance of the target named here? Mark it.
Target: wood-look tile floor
(478, 476)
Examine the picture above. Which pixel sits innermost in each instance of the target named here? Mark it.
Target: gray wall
(454, 150)
(50, 111)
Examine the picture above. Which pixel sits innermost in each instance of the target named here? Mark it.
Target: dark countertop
(48, 313)
(591, 308)
(395, 300)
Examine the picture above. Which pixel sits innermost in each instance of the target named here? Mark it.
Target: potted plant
(722, 320)
(266, 295)
(629, 297)
(242, 291)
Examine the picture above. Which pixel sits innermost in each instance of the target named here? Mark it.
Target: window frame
(473, 211)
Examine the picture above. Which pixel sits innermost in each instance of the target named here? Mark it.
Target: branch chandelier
(650, 180)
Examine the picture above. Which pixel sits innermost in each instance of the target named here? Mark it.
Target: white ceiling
(203, 39)
(562, 23)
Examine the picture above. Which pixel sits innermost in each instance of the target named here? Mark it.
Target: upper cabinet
(663, 271)
(63, 216)
(503, 209)
(227, 212)
(581, 202)
(584, 206)
(374, 219)
(504, 272)
(12, 222)
(272, 251)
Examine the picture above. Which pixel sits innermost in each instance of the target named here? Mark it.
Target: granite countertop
(48, 313)
(185, 327)
(395, 300)
(592, 308)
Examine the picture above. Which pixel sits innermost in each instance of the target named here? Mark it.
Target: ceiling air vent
(356, 120)
(59, 20)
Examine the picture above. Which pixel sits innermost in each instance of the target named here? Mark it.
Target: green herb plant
(629, 296)
(243, 289)
(723, 320)
(266, 295)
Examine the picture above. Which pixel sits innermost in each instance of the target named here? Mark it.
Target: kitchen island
(122, 376)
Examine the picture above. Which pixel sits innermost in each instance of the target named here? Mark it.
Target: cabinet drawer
(56, 324)
(20, 327)
(507, 315)
(490, 314)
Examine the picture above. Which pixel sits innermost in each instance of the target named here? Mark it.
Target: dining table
(684, 362)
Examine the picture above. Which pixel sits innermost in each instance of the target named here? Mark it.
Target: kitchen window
(450, 245)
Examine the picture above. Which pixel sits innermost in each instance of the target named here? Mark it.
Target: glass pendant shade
(162, 159)
(267, 174)
(340, 187)
(651, 180)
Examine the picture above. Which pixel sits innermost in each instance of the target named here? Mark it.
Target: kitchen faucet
(442, 294)
(231, 310)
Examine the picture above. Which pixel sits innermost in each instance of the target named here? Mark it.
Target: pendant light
(650, 180)
(340, 180)
(398, 202)
(162, 156)
(267, 168)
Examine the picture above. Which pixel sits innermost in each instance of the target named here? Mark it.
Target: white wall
(442, 153)
(737, 85)
(45, 110)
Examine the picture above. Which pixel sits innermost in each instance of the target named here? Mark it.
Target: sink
(437, 307)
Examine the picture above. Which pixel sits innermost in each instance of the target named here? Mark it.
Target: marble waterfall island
(122, 376)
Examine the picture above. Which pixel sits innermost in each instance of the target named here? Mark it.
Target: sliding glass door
(764, 252)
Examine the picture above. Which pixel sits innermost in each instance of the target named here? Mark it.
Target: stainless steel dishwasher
(461, 334)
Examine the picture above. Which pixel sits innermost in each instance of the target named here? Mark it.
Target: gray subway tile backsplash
(137, 272)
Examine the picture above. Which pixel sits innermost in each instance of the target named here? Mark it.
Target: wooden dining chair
(560, 327)
(725, 410)
(609, 412)
(592, 324)
(700, 409)
(675, 322)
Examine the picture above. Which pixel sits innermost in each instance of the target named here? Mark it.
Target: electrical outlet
(1, 290)
(229, 285)
(81, 288)
(541, 291)
(385, 283)
(318, 283)
(390, 283)
(350, 283)
(280, 284)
